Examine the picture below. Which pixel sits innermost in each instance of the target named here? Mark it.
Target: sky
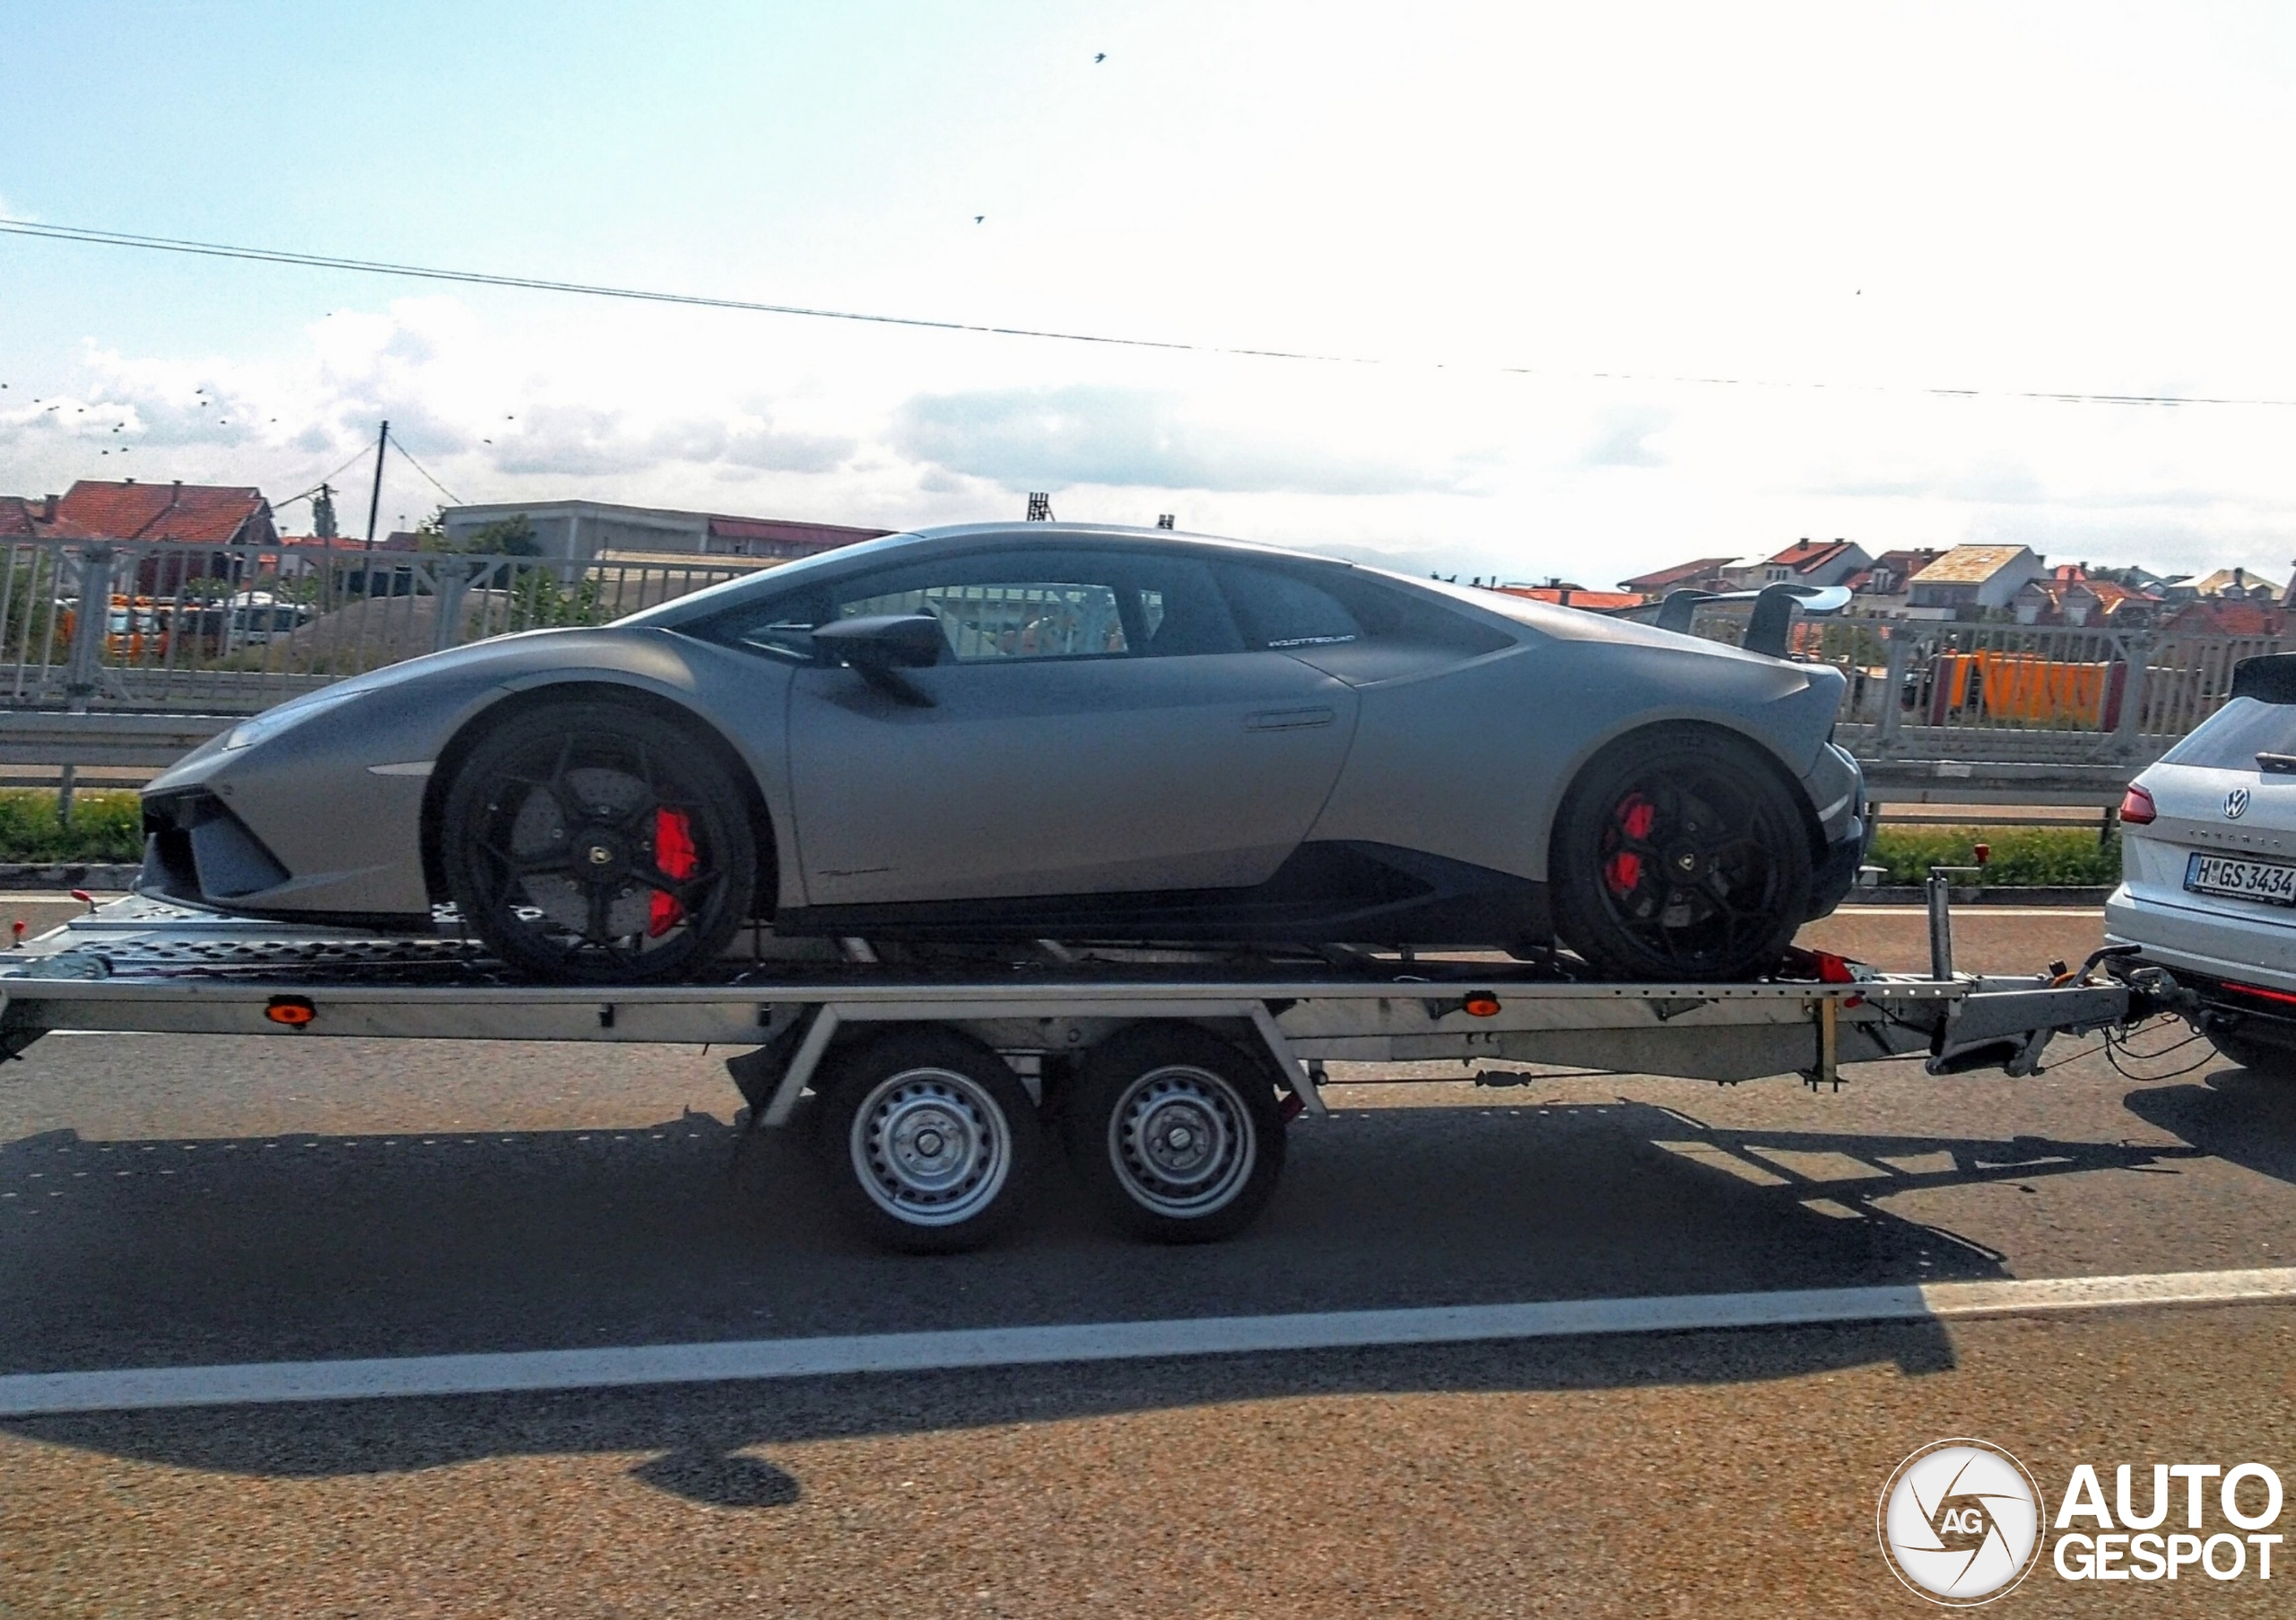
(1612, 286)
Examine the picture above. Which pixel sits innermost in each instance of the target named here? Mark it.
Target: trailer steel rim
(1181, 1140)
(931, 1147)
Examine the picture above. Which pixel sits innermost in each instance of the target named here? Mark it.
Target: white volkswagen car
(2208, 867)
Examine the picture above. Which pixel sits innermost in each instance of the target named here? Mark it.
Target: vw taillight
(2137, 807)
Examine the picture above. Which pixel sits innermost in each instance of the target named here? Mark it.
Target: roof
(2111, 594)
(1804, 555)
(1904, 561)
(20, 519)
(2227, 578)
(1594, 601)
(1969, 564)
(1677, 574)
(207, 514)
(2225, 617)
(787, 532)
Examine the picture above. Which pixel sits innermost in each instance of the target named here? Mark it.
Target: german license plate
(2271, 881)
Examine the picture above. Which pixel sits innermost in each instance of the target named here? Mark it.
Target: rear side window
(2231, 738)
(1276, 609)
(1282, 610)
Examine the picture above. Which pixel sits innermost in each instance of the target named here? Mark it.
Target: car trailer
(1169, 1078)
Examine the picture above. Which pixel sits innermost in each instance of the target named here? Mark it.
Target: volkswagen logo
(1960, 1522)
(2235, 804)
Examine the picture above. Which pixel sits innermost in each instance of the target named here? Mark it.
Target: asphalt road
(237, 1200)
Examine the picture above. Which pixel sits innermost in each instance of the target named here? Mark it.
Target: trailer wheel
(1175, 1133)
(929, 1138)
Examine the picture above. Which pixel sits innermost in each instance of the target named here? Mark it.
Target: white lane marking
(31, 1394)
(1913, 908)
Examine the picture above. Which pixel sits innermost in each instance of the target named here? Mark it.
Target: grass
(105, 827)
(2023, 856)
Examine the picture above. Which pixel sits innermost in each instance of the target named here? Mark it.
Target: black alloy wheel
(589, 843)
(1680, 857)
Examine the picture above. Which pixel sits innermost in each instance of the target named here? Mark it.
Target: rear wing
(1773, 615)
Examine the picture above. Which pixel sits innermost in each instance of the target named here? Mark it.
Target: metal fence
(2061, 689)
(115, 626)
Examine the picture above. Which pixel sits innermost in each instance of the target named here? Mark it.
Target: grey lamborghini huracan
(1045, 731)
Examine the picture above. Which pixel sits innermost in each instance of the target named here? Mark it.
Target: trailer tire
(1175, 1133)
(930, 1142)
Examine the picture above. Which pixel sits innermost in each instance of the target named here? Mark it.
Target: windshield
(2231, 738)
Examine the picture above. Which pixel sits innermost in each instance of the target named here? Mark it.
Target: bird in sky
(979, 217)
(1099, 56)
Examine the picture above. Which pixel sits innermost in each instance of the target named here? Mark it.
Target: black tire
(1680, 856)
(1175, 1133)
(930, 1142)
(591, 843)
(2257, 1056)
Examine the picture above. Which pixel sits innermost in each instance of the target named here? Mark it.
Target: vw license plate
(2266, 880)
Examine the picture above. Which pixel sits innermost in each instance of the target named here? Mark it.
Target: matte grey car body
(1259, 745)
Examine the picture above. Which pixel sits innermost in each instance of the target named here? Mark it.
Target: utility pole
(375, 501)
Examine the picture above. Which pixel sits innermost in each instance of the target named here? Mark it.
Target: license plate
(2270, 881)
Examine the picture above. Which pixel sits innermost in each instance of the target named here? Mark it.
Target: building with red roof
(1702, 573)
(194, 514)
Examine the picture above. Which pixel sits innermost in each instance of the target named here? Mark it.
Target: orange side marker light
(1479, 1004)
(294, 1010)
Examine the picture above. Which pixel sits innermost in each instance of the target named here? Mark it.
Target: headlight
(273, 721)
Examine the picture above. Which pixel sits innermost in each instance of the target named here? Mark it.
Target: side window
(1280, 610)
(990, 621)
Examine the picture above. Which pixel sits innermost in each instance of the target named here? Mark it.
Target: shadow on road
(2236, 1115)
(149, 1253)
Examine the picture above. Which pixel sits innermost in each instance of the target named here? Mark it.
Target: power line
(331, 477)
(320, 261)
(425, 471)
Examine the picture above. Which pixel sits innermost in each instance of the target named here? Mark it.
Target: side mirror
(878, 648)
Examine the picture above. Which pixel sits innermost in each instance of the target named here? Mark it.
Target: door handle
(1289, 720)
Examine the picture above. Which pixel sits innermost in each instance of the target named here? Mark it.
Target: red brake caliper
(1636, 815)
(673, 856)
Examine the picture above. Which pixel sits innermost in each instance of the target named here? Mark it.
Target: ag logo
(1959, 1522)
(2235, 804)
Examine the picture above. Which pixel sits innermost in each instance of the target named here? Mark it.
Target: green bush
(2023, 856)
(105, 827)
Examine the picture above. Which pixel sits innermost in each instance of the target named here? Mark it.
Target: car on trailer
(1047, 731)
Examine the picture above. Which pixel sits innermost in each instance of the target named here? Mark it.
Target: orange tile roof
(20, 519)
(1593, 601)
(204, 514)
(1804, 555)
(1675, 575)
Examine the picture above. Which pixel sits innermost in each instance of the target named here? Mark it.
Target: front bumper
(197, 852)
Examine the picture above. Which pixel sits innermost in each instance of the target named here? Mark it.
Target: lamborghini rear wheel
(1680, 856)
(590, 843)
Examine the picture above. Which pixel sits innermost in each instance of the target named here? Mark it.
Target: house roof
(20, 519)
(783, 532)
(1570, 596)
(2226, 579)
(207, 514)
(1804, 555)
(1905, 564)
(2110, 594)
(1677, 574)
(2219, 616)
(1969, 564)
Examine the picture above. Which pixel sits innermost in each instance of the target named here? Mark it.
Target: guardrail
(119, 627)
(2057, 692)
